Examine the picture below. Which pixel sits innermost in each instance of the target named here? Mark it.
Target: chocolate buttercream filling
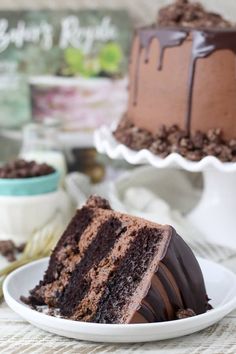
(129, 273)
(68, 244)
(108, 234)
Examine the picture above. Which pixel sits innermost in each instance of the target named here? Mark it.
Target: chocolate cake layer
(62, 260)
(110, 267)
(100, 274)
(170, 288)
(115, 305)
(78, 285)
(80, 235)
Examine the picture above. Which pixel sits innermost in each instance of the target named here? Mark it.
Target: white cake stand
(215, 215)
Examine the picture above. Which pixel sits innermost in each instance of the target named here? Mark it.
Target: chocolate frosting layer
(205, 43)
(167, 38)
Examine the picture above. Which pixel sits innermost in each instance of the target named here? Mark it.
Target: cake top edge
(156, 29)
(97, 202)
(191, 15)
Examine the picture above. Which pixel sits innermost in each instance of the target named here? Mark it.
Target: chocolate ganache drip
(205, 42)
(208, 31)
(167, 38)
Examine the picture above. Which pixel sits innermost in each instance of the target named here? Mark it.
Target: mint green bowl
(29, 186)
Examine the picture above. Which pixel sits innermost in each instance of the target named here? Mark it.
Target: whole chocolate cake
(182, 88)
(110, 267)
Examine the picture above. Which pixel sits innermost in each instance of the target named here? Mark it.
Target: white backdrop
(143, 11)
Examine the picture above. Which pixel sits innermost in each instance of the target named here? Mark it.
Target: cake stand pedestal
(215, 215)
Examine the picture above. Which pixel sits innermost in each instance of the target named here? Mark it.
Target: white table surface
(17, 336)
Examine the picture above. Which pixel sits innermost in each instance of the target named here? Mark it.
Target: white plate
(220, 283)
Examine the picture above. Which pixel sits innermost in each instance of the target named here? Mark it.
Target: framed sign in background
(67, 64)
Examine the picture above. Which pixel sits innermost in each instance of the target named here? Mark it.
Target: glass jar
(41, 144)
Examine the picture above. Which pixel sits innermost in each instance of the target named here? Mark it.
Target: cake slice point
(109, 267)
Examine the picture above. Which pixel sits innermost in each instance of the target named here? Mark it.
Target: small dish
(22, 216)
(220, 284)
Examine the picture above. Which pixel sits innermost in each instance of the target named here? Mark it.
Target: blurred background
(142, 11)
(63, 74)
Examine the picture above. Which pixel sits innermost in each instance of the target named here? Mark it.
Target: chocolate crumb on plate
(25, 300)
(185, 313)
(8, 249)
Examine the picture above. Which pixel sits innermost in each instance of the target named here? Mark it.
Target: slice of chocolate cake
(110, 267)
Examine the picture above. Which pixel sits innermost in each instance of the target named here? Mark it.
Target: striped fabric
(17, 336)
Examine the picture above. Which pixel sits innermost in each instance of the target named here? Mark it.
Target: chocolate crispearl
(173, 139)
(25, 169)
(183, 13)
